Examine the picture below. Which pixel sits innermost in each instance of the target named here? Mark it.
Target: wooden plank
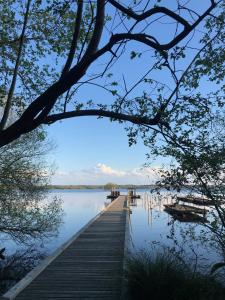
(89, 266)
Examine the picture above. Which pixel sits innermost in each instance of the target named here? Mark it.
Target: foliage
(110, 185)
(16, 266)
(45, 71)
(43, 46)
(166, 277)
(23, 175)
(195, 135)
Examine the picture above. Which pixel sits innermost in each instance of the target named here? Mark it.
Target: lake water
(79, 207)
(150, 226)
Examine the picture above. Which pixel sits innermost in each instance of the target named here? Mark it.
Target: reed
(166, 277)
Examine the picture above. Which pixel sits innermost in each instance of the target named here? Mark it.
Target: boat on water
(188, 218)
(185, 213)
(195, 200)
(184, 209)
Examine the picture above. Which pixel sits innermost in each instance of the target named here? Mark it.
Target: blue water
(149, 224)
(79, 207)
(152, 228)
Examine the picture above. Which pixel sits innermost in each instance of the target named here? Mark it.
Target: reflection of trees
(188, 239)
(194, 244)
(16, 266)
(23, 211)
(25, 216)
(21, 219)
(25, 221)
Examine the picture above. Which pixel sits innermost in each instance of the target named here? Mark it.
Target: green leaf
(133, 54)
(114, 92)
(114, 83)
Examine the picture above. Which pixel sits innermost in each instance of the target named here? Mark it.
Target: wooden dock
(89, 266)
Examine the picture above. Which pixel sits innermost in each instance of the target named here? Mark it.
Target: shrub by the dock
(164, 277)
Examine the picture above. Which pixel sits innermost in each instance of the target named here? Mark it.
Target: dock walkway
(89, 266)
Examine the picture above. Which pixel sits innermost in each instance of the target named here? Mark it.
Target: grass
(166, 277)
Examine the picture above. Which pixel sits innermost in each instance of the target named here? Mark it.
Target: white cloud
(102, 173)
(104, 169)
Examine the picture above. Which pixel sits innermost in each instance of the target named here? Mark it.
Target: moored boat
(190, 217)
(185, 213)
(184, 209)
(195, 200)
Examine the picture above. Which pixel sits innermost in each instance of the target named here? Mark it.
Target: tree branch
(155, 10)
(185, 32)
(92, 47)
(187, 27)
(37, 112)
(136, 119)
(13, 83)
(99, 23)
(75, 38)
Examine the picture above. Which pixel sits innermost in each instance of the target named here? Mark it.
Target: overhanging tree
(85, 24)
(194, 139)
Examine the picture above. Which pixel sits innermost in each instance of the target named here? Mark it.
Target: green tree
(96, 34)
(110, 185)
(195, 136)
(24, 212)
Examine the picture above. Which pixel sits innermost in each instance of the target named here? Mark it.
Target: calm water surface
(79, 207)
(149, 224)
(150, 228)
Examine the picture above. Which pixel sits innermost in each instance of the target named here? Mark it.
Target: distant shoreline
(94, 187)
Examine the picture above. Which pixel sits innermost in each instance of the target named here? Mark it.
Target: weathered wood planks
(90, 266)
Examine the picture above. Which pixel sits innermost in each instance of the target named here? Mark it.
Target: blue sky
(96, 151)
(91, 151)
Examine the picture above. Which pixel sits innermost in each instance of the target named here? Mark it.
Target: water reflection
(37, 227)
(25, 223)
(79, 207)
(45, 225)
(151, 225)
(22, 220)
(15, 266)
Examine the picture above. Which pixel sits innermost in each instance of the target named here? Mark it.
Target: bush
(165, 277)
